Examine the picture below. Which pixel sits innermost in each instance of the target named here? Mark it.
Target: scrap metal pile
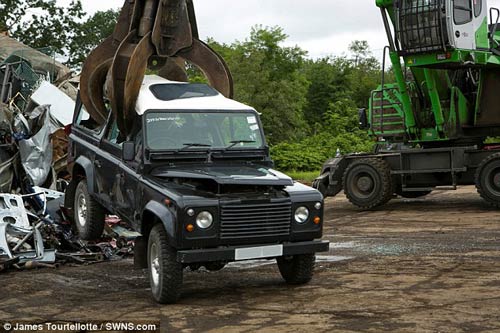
(37, 97)
(35, 232)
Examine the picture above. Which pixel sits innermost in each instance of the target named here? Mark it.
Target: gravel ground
(425, 265)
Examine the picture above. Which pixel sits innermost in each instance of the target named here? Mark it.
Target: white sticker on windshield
(160, 119)
(254, 127)
(252, 120)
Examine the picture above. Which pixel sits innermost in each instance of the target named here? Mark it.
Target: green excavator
(432, 125)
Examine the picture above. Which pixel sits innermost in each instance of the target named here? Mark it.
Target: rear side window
(170, 92)
(83, 120)
(114, 134)
(462, 11)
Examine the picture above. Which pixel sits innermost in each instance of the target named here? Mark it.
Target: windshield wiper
(234, 143)
(190, 145)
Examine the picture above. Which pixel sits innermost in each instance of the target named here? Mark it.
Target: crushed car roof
(209, 100)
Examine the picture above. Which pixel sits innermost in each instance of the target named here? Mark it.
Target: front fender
(166, 217)
(88, 167)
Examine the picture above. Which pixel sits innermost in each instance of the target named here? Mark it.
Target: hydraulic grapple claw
(164, 30)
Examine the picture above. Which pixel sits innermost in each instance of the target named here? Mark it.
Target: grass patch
(303, 176)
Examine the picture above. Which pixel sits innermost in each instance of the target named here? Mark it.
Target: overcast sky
(322, 27)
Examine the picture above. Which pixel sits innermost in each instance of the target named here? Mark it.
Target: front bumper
(231, 253)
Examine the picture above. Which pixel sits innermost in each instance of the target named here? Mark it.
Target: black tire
(88, 214)
(297, 269)
(165, 273)
(69, 199)
(413, 195)
(487, 180)
(215, 266)
(367, 183)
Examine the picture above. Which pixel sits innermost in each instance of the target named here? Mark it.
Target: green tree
(329, 82)
(12, 12)
(43, 23)
(364, 72)
(270, 77)
(89, 34)
(65, 30)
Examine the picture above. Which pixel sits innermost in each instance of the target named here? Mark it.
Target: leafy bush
(311, 153)
(338, 132)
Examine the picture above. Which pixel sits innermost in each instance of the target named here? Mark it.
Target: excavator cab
(445, 91)
(424, 26)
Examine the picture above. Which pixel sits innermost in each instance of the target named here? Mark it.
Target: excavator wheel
(488, 180)
(367, 183)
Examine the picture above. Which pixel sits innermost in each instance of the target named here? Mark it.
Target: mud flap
(330, 181)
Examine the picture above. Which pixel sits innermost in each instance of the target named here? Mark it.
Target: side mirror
(128, 151)
(363, 119)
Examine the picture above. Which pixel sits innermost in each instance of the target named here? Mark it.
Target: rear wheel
(88, 214)
(488, 180)
(165, 273)
(367, 183)
(297, 269)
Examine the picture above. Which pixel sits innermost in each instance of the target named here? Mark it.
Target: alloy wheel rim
(82, 209)
(155, 265)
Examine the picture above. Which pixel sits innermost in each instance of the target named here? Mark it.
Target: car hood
(235, 174)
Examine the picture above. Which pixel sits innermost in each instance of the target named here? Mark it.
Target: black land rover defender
(196, 180)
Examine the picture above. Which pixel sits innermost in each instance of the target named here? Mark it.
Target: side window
(478, 7)
(113, 135)
(83, 120)
(462, 11)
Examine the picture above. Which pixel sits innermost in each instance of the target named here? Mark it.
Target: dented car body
(195, 173)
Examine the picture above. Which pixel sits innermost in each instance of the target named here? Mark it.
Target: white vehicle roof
(148, 101)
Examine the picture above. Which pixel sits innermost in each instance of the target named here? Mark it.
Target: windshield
(420, 27)
(205, 130)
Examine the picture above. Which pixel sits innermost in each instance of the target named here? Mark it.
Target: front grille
(239, 221)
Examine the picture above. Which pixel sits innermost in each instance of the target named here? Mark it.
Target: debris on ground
(37, 99)
(36, 233)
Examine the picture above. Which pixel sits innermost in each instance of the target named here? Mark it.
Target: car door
(85, 135)
(463, 25)
(107, 165)
(128, 191)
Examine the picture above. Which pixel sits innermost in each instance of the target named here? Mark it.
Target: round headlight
(301, 215)
(204, 220)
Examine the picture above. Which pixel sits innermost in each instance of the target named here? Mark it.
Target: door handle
(97, 163)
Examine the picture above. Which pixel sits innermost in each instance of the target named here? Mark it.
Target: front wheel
(367, 183)
(488, 180)
(165, 273)
(297, 269)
